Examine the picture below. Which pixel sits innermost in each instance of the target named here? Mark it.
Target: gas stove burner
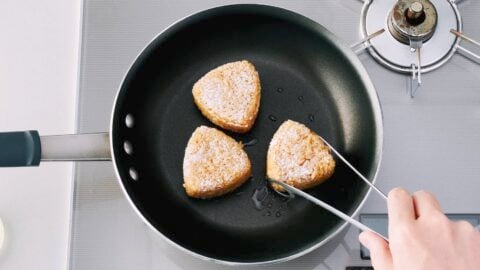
(412, 20)
(412, 25)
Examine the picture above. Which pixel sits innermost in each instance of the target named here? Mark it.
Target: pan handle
(28, 148)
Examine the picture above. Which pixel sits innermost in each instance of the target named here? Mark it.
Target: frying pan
(306, 75)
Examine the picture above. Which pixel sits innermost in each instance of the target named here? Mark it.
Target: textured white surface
(2, 234)
(38, 74)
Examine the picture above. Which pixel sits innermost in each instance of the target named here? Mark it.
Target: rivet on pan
(129, 121)
(133, 174)
(127, 146)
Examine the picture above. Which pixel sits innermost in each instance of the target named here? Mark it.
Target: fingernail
(395, 190)
(419, 192)
(363, 238)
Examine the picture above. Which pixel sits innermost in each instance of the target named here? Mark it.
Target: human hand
(422, 237)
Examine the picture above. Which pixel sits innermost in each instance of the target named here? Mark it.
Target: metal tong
(292, 191)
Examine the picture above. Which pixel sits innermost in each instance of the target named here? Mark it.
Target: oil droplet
(279, 90)
(268, 213)
(311, 117)
(259, 197)
(272, 118)
(278, 214)
(285, 197)
(269, 205)
(300, 98)
(251, 142)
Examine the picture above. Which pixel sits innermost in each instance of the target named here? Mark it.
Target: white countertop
(38, 80)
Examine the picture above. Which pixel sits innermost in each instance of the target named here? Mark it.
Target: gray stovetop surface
(431, 142)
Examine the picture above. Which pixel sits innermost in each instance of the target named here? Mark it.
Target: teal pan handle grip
(20, 148)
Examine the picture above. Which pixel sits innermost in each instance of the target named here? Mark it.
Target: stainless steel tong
(292, 191)
(354, 169)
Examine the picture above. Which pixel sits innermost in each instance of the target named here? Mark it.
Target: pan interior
(304, 77)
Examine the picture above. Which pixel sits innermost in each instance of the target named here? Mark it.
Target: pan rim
(370, 91)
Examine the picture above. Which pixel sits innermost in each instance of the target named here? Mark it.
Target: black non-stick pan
(306, 75)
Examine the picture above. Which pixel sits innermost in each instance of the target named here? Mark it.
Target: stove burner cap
(415, 14)
(412, 20)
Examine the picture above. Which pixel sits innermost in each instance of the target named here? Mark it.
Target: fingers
(379, 250)
(465, 226)
(400, 207)
(424, 203)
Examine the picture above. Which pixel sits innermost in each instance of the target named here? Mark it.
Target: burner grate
(419, 37)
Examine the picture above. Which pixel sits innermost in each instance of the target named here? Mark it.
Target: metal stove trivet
(412, 36)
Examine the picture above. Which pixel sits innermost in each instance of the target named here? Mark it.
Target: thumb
(379, 250)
